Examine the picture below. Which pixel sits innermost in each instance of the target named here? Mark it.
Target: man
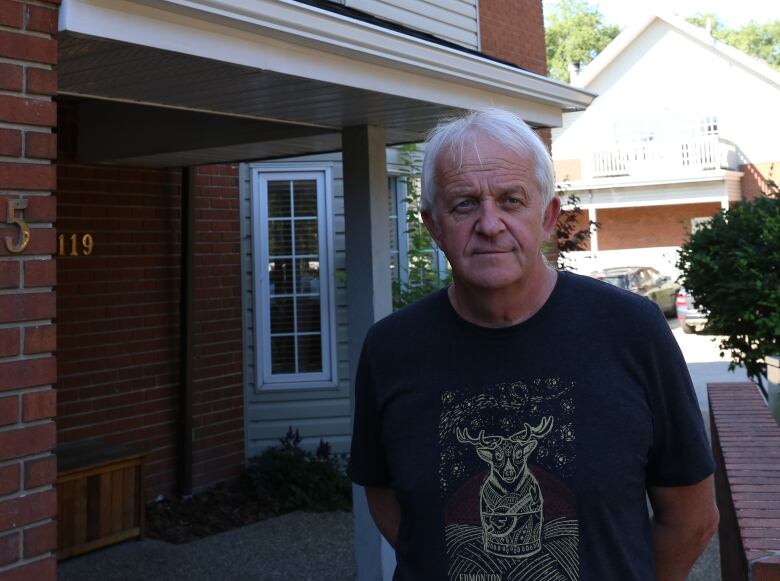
(510, 426)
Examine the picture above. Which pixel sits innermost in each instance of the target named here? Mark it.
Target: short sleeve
(681, 454)
(367, 466)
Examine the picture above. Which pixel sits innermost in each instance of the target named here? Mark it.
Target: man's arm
(684, 520)
(385, 510)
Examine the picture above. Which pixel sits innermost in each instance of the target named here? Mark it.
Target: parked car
(691, 318)
(645, 281)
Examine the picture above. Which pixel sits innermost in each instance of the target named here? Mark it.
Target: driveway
(705, 365)
(704, 361)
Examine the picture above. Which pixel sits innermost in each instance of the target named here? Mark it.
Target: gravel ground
(293, 547)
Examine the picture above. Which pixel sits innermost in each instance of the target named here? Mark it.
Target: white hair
(505, 128)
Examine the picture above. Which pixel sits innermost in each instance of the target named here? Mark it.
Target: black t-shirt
(523, 453)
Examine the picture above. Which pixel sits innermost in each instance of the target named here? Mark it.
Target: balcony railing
(665, 158)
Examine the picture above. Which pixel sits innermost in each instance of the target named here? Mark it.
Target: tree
(575, 33)
(730, 266)
(569, 235)
(759, 40)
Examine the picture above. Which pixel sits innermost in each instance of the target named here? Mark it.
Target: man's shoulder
(412, 318)
(600, 297)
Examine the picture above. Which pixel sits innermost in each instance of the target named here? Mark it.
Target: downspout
(186, 309)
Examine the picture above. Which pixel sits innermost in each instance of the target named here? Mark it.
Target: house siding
(453, 20)
(315, 412)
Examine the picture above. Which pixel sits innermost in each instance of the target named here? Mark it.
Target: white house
(683, 126)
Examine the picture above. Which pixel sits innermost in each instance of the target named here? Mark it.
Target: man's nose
(489, 223)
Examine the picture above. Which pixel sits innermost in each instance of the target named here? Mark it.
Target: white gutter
(289, 37)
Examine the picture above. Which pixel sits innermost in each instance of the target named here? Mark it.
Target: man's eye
(465, 205)
(513, 201)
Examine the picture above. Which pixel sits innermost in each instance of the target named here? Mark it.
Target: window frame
(265, 379)
(398, 194)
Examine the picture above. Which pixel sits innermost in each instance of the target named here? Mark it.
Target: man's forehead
(481, 153)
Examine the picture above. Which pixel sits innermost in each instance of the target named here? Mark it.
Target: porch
(151, 325)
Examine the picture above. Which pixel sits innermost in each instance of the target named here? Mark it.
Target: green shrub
(731, 266)
(296, 479)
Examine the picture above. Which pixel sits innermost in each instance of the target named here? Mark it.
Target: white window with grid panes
(294, 288)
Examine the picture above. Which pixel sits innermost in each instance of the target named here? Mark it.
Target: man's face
(488, 217)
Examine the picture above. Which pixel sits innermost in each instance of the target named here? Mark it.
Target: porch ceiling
(313, 112)
(269, 79)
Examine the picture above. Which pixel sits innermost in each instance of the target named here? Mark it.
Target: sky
(733, 13)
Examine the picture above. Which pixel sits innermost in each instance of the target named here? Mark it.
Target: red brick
(27, 307)
(11, 14)
(10, 142)
(28, 373)
(9, 273)
(42, 19)
(42, 241)
(38, 209)
(26, 441)
(9, 478)
(28, 48)
(40, 472)
(39, 405)
(9, 342)
(43, 570)
(40, 339)
(767, 569)
(27, 509)
(40, 273)
(41, 81)
(9, 548)
(9, 410)
(649, 226)
(28, 111)
(40, 145)
(27, 176)
(11, 77)
(39, 540)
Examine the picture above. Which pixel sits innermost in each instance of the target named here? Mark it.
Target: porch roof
(257, 79)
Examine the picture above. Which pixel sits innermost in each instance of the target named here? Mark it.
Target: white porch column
(594, 233)
(369, 296)
(724, 203)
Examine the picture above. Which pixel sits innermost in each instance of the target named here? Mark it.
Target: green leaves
(731, 265)
(296, 479)
(575, 33)
(760, 40)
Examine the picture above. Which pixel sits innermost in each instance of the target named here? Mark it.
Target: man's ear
(551, 214)
(432, 226)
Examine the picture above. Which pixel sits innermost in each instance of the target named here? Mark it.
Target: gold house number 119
(71, 243)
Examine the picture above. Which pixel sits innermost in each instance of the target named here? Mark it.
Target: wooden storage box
(99, 494)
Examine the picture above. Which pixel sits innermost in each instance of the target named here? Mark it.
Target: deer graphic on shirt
(510, 497)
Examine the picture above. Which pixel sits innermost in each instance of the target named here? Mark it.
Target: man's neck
(503, 307)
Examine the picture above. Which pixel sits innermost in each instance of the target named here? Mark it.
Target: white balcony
(665, 158)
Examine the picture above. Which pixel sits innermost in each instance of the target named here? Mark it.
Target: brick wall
(119, 313)
(757, 179)
(745, 441)
(28, 54)
(648, 226)
(513, 31)
(218, 412)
